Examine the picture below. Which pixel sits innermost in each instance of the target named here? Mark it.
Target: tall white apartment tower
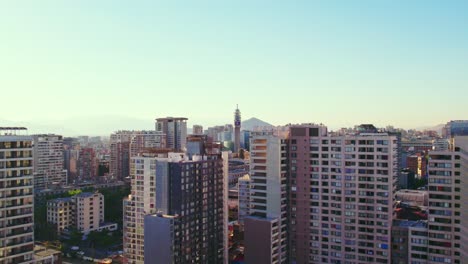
(266, 227)
(48, 161)
(141, 202)
(17, 200)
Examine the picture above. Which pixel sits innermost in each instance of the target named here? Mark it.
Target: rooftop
(86, 194)
(60, 200)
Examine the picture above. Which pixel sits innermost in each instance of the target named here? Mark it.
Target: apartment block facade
(189, 188)
(84, 212)
(17, 198)
(448, 172)
(341, 194)
(174, 130)
(48, 162)
(266, 226)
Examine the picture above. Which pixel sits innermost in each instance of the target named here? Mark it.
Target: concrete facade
(48, 162)
(341, 194)
(17, 199)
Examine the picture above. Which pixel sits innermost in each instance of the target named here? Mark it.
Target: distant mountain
(437, 128)
(253, 122)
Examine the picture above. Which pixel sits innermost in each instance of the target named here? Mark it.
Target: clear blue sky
(91, 67)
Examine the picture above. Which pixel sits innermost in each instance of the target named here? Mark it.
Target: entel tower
(237, 127)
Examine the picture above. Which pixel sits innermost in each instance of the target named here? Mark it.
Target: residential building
(17, 202)
(87, 164)
(406, 179)
(455, 128)
(89, 211)
(440, 144)
(417, 163)
(60, 212)
(45, 255)
(409, 242)
(237, 168)
(244, 197)
(185, 191)
(266, 227)
(197, 130)
(174, 130)
(342, 194)
(48, 161)
(447, 203)
(416, 145)
(83, 212)
(141, 140)
(120, 154)
(142, 200)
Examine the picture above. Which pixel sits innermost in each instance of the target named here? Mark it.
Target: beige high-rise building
(89, 211)
(17, 200)
(141, 202)
(266, 226)
(48, 161)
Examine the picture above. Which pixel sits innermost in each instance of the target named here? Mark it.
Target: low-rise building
(44, 255)
(84, 212)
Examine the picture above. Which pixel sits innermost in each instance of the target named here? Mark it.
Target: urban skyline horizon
(143, 124)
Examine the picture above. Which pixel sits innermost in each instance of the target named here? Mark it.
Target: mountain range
(254, 122)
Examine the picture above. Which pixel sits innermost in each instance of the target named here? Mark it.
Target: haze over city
(94, 67)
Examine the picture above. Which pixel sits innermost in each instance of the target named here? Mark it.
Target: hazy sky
(91, 67)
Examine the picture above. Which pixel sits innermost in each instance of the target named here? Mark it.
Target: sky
(93, 67)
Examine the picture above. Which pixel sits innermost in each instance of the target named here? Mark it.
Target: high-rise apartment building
(142, 200)
(341, 194)
(244, 197)
(409, 242)
(185, 191)
(120, 154)
(455, 128)
(48, 161)
(146, 139)
(126, 144)
(174, 130)
(17, 202)
(448, 203)
(266, 227)
(87, 164)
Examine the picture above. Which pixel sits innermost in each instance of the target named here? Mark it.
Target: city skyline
(93, 68)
